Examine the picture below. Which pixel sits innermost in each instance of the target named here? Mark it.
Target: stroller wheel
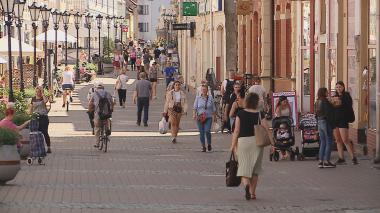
(301, 157)
(276, 156)
(29, 161)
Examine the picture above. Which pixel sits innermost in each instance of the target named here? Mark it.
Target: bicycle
(105, 132)
(67, 91)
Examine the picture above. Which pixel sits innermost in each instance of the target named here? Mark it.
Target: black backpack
(228, 90)
(105, 110)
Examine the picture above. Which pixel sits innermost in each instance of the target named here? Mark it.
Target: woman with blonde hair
(175, 107)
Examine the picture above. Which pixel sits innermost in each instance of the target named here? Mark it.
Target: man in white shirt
(260, 91)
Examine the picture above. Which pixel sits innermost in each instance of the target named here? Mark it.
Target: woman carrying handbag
(204, 112)
(175, 107)
(247, 146)
(121, 87)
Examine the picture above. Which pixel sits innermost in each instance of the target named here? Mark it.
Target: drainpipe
(312, 55)
(377, 156)
(273, 46)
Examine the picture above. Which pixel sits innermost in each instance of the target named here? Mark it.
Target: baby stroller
(37, 144)
(283, 137)
(310, 136)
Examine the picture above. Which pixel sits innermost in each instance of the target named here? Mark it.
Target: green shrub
(20, 118)
(91, 66)
(8, 137)
(107, 60)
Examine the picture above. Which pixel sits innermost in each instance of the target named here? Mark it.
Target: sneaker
(48, 150)
(209, 148)
(145, 124)
(320, 165)
(328, 164)
(96, 146)
(355, 161)
(340, 162)
(203, 149)
(138, 124)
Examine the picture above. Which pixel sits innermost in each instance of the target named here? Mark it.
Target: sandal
(253, 196)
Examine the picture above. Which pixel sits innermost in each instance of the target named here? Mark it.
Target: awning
(60, 36)
(27, 50)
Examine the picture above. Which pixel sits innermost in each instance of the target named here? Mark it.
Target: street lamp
(88, 20)
(56, 19)
(7, 7)
(99, 19)
(66, 20)
(19, 6)
(121, 18)
(109, 20)
(77, 21)
(45, 12)
(34, 15)
(115, 24)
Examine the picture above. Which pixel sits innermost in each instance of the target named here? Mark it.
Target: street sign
(181, 26)
(189, 8)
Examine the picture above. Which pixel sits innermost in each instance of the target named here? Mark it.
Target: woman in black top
(343, 104)
(324, 113)
(244, 143)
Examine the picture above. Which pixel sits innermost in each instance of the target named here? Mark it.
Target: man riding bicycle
(101, 103)
(67, 82)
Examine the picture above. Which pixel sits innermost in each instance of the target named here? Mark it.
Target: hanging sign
(189, 8)
(181, 26)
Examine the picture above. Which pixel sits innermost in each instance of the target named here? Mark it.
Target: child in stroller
(283, 135)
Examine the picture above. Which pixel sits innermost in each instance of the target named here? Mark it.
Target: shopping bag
(232, 180)
(163, 126)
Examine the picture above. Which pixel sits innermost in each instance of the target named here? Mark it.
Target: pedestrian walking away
(141, 96)
(344, 114)
(244, 144)
(175, 107)
(133, 57)
(146, 60)
(237, 105)
(67, 82)
(204, 112)
(101, 103)
(169, 73)
(260, 91)
(227, 88)
(38, 106)
(117, 62)
(229, 102)
(163, 61)
(325, 117)
(121, 87)
(153, 76)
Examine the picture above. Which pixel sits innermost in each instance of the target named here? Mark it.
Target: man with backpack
(226, 90)
(101, 103)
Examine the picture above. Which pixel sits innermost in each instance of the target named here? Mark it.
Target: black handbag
(232, 180)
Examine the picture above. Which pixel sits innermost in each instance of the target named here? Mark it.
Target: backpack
(228, 90)
(105, 111)
(133, 55)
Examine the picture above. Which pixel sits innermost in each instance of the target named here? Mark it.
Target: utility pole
(377, 156)
(312, 55)
(211, 38)
(231, 35)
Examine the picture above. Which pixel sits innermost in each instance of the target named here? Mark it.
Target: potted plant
(9, 157)
(19, 118)
(107, 64)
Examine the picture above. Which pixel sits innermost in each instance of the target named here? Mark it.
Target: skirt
(174, 116)
(249, 157)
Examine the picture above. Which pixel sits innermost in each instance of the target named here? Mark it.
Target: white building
(148, 12)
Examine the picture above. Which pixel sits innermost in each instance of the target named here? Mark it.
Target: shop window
(372, 22)
(372, 88)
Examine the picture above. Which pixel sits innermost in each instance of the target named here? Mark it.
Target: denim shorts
(67, 86)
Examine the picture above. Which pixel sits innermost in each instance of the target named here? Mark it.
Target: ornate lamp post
(88, 20)
(66, 20)
(115, 24)
(45, 12)
(34, 15)
(109, 20)
(99, 19)
(77, 21)
(7, 7)
(121, 28)
(19, 11)
(56, 19)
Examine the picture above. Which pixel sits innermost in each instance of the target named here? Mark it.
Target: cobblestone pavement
(148, 174)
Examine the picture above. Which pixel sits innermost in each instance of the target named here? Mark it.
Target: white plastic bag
(163, 126)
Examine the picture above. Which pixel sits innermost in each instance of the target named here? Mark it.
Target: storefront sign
(189, 8)
(292, 101)
(244, 7)
(182, 26)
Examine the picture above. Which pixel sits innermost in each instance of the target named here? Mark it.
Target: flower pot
(107, 68)
(24, 141)
(9, 163)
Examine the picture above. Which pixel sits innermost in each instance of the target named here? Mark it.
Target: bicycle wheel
(105, 141)
(101, 138)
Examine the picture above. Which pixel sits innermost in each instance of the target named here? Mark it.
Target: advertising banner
(292, 101)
